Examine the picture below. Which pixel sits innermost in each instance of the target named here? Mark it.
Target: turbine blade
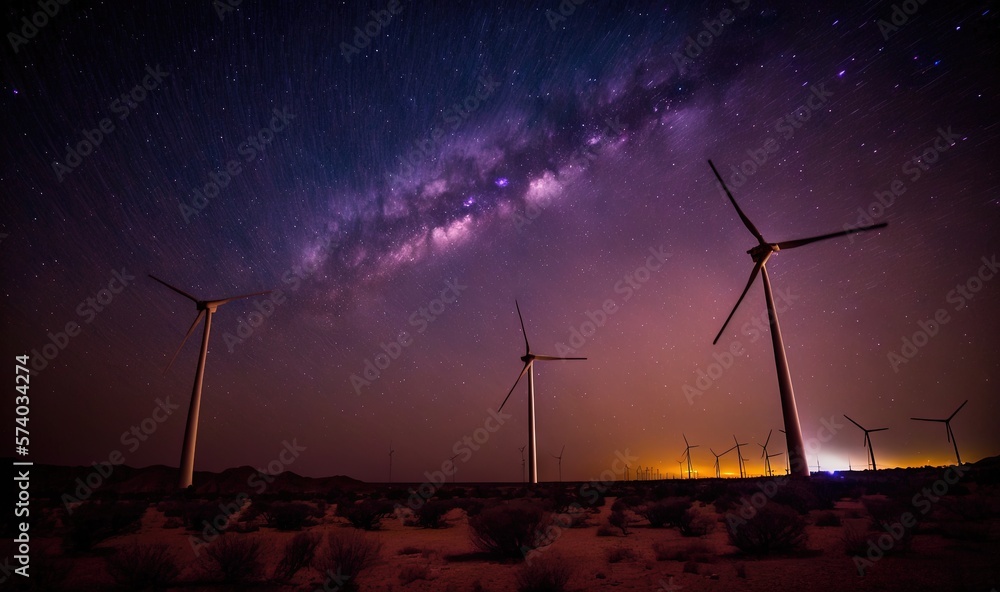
(854, 422)
(805, 241)
(753, 276)
(556, 358)
(686, 440)
(957, 410)
(197, 319)
(769, 432)
(561, 451)
(878, 430)
(178, 290)
(746, 221)
(519, 377)
(923, 419)
(527, 348)
(225, 300)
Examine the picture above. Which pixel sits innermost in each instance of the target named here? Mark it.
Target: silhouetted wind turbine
(559, 458)
(947, 425)
(455, 472)
(718, 469)
(680, 467)
(739, 454)
(206, 308)
(868, 441)
(391, 451)
(760, 254)
(767, 457)
(522, 463)
(687, 453)
(529, 362)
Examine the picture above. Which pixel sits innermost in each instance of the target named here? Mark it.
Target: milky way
(402, 172)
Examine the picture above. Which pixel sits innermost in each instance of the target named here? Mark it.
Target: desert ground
(934, 528)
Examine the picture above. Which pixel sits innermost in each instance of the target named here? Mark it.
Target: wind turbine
(947, 425)
(522, 463)
(760, 254)
(687, 453)
(868, 441)
(739, 455)
(455, 472)
(206, 308)
(529, 362)
(718, 469)
(391, 451)
(559, 458)
(680, 467)
(767, 457)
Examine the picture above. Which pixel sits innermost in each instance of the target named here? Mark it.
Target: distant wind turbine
(559, 458)
(529, 361)
(687, 453)
(391, 451)
(760, 254)
(455, 472)
(948, 430)
(767, 457)
(739, 454)
(206, 308)
(718, 469)
(868, 441)
(522, 463)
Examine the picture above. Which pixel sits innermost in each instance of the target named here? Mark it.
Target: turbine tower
(559, 458)
(718, 469)
(760, 255)
(868, 441)
(522, 463)
(948, 431)
(687, 453)
(529, 362)
(206, 308)
(739, 455)
(767, 457)
(391, 451)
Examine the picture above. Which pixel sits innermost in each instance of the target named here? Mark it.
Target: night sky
(481, 154)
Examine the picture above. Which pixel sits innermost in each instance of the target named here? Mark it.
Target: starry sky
(402, 172)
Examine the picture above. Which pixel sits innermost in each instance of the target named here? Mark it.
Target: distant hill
(54, 480)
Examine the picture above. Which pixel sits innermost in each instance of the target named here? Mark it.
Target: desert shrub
(977, 532)
(693, 524)
(197, 514)
(471, 506)
(431, 514)
(288, 516)
(605, 530)
(741, 570)
(855, 541)
(508, 529)
(546, 574)
(367, 514)
(827, 519)
(577, 519)
(773, 529)
(234, 559)
(140, 567)
(665, 512)
(886, 514)
(92, 522)
(348, 554)
(801, 497)
(299, 553)
(412, 573)
(619, 554)
(619, 520)
(697, 550)
(691, 567)
(410, 550)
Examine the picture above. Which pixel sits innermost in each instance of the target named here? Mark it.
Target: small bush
(691, 567)
(348, 553)
(367, 514)
(509, 529)
(288, 516)
(235, 559)
(431, 514)
(697, 550)
(773, 529)
(619, 554)
(410, 551)
(855, 541)
(693, 524)
(605, 530)
(140, 567)
(546, 574)
(300, 551)
(93, 522)
(741, 570)
(827, 519)
(664, 513)
(619, 520)
(412, 573)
